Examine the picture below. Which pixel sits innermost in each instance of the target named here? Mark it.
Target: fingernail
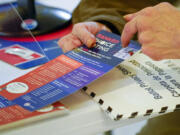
(89, 43)
(94, 45)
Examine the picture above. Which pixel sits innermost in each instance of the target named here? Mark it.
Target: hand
(158, 30)
(82, 33)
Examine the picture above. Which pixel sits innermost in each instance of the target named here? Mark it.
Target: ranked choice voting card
(67, 73)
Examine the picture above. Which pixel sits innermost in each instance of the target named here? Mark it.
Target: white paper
(151, 87)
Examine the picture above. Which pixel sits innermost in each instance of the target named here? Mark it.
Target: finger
(146, 11)
(103, 27)
(128, 32)
(69, 42)
(84, 35)
(129, 17)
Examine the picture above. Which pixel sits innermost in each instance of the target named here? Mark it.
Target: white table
(85, 118)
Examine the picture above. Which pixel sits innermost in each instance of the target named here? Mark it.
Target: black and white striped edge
(133, 114)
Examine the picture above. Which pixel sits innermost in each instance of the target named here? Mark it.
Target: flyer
(67, 73)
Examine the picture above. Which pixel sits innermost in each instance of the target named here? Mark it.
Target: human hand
(158, 30)
(82, 33)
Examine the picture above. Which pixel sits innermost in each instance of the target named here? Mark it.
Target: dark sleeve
(108, 12)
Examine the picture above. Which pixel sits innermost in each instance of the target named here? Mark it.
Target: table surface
(85, 117)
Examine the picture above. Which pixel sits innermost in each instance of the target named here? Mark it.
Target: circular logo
(29, 24)
(17, 88)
